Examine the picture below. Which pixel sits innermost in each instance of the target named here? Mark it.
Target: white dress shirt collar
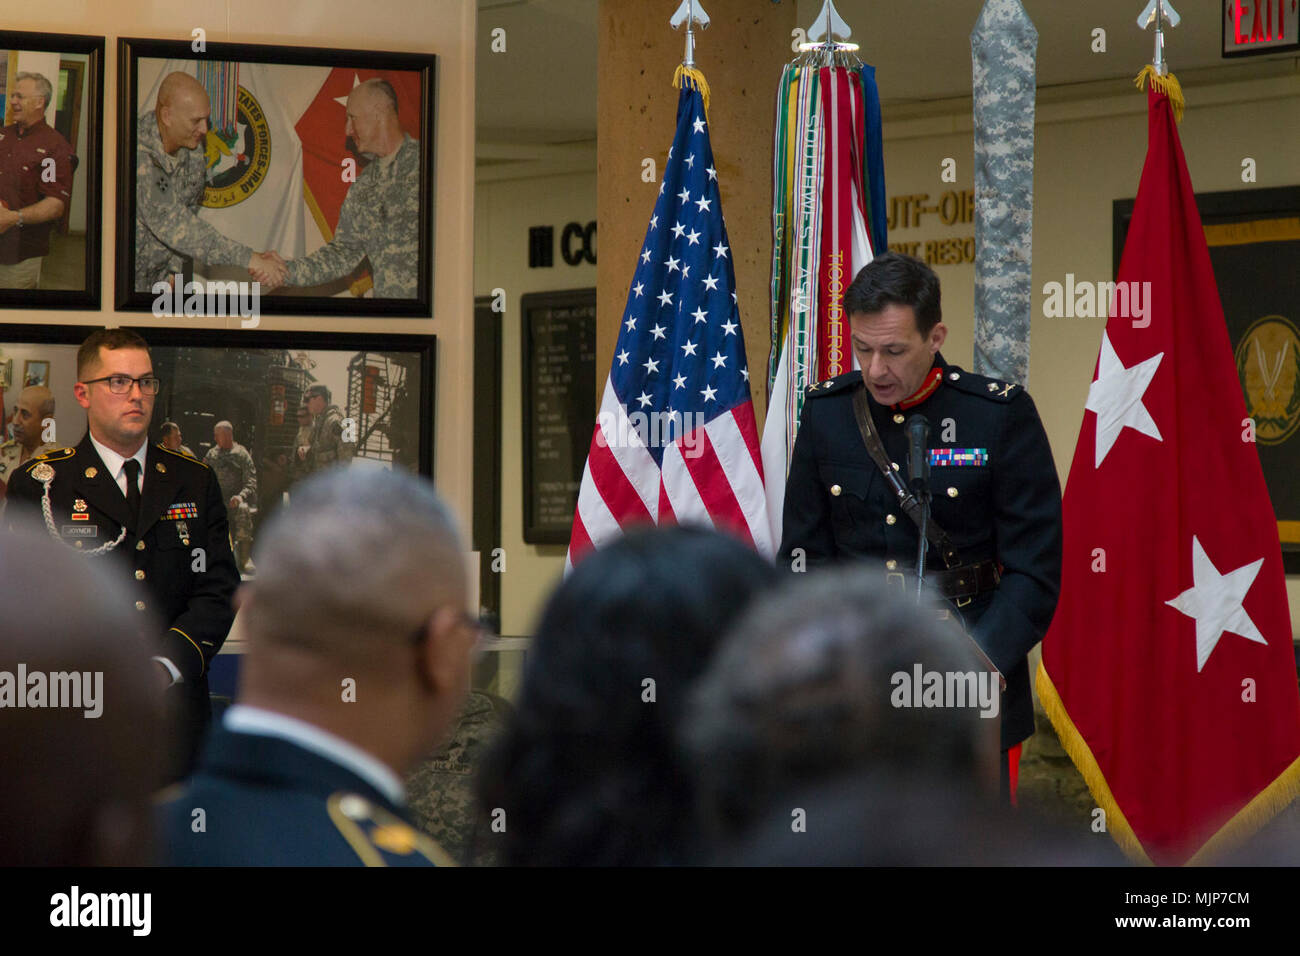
(243, 719)
(115, 462)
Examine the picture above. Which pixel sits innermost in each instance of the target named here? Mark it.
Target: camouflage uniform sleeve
(164, 212)
(249, 491)
(337, 257)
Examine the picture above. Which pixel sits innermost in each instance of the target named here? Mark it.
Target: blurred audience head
(357, 620)
(810, 685)
(85, 749)
(587, 772)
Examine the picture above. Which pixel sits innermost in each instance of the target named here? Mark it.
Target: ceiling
(542, 90)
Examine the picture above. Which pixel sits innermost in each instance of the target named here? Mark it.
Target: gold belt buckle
(902, 581)
(962, 602)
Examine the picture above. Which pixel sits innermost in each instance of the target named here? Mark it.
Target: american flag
(675, 439)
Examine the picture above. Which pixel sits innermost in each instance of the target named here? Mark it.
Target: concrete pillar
(741, 55)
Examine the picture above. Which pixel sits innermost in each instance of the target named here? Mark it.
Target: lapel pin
(162, 469)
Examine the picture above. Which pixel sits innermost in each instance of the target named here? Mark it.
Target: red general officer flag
(1168, 670)
(324, 142)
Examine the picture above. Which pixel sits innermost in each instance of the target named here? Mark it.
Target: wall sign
(559, 407)
(1259, 27)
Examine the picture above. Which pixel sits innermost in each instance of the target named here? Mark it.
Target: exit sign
(1257, 27)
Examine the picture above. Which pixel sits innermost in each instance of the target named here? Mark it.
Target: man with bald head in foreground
(357, 664)
(169, 184)
(35, 409)
(380, 218)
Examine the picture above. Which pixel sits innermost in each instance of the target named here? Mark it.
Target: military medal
(43, 472)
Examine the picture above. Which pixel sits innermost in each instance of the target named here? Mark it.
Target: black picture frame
(236, 374)
(557, 403)
(286, 301)
(1219, 209)
(89, 168)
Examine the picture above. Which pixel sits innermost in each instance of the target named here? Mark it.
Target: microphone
(918, 454)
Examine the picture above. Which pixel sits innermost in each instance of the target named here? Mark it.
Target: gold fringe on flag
(1167, 84)
(1245, 823)
(692, 76)
(1077, 748)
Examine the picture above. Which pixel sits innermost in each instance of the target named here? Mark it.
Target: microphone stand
(922, 496)
(918, 478)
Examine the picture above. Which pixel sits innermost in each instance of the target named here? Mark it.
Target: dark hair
(166, 428)
(587, 771)
(895, 279)
(111, 339)
(801, 690)
(314, 390)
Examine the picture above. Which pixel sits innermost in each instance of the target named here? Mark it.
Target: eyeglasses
(121, 384)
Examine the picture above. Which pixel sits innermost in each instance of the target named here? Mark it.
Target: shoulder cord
(46, 511)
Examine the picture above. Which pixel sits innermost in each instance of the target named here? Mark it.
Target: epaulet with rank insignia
(837, 384)
(380, 838)
(59, 454)
(180, 454)
(981, 385)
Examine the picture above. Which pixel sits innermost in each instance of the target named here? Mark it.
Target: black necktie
(133, 491)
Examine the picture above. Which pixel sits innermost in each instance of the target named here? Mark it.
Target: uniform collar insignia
(928, 386)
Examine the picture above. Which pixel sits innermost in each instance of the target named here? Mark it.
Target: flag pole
(1161, 12)
(830, 24)
(691, 12)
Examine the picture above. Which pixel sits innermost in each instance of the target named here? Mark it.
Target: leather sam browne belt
(963, 582)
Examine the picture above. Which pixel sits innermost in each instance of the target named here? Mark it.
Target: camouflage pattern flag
(1003, 47)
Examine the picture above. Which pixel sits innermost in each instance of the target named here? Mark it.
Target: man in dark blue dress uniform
(993, 483)
(357, 664)
(156, 516)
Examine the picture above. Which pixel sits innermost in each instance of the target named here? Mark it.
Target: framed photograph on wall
(308, 170)
(51, 169)
(297, 402)
(36, 372)
(1254, 241)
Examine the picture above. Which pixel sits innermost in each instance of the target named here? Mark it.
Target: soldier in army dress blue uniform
(156, 514)
(993, 482)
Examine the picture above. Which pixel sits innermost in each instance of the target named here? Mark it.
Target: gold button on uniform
(835, 490)
(139, 605)
(139, 545)
(891, 564)
(139, 575)
(78, 545)
(898, 419)
(952, 492)
(890, 519)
